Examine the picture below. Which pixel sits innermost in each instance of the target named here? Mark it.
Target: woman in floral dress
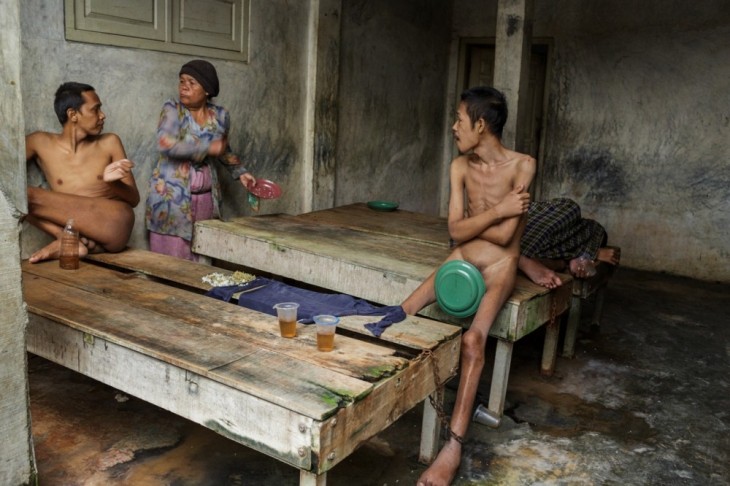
(192, 136)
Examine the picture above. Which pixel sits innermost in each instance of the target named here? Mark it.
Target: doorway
(476, 68)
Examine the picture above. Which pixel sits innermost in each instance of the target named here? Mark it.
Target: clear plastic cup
(326, 327)
(287, 313)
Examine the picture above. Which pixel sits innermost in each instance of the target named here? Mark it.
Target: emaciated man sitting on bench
(492, 181)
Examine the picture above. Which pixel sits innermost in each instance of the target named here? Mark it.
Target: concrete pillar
(323, 67)
(16, 453)
(512, 62)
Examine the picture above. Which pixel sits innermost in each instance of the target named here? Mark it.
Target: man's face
(465, 134)
(89, 117)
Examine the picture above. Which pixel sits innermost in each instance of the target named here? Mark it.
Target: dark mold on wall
(596, 170)
(513, 24)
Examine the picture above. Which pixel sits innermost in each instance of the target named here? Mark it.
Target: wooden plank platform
(138, 321)
(381, 257)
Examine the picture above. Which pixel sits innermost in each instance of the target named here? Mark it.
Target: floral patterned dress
(185, 177)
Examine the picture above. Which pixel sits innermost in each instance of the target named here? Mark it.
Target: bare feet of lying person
(583, 267)
(52, 250)
(442, 471)
(539, 273)
(609, 254)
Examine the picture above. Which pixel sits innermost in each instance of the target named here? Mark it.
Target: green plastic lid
(459, 288)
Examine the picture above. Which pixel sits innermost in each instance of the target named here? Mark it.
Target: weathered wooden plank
(236, 362)
(244, 418)
(169, 268)
(359, 359)
(414, 332)
(374, 251)
(389, 400)
(400, 223)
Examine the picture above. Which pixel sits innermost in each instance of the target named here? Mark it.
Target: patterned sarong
(555, 230)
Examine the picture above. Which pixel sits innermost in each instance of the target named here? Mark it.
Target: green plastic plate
(383, 205)
(459, 288)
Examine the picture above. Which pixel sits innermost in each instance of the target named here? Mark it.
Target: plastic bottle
(586, 265)
(68, 257)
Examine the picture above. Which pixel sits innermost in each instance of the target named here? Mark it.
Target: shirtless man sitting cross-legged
(487, 209)
(89, 175)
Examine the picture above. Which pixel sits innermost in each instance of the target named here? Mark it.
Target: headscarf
(204, 73)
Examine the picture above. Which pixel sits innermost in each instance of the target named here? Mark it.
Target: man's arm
(462, 228)
(512, 207)
(515, 204)
(118, 174)
(32, 142)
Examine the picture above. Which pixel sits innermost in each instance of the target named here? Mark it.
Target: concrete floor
(645, 401)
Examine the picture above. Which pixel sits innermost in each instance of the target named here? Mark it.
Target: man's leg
(425, 294)
(105, 221)
(500, 281)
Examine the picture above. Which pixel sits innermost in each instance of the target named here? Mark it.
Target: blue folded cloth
(265, 293)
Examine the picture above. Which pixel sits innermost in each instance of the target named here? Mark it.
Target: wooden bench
(137, 321)
(434, 230)
(381, 257)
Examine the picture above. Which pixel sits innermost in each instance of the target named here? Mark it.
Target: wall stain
(513, 24)
(597, 171)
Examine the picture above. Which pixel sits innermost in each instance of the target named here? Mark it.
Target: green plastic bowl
(459, 288)
(383, 205)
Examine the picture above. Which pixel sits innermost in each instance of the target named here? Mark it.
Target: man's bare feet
(609, 254)
(52, 250)
(444, 468)
(539, 273)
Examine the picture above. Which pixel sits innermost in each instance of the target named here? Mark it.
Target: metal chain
(437, 402)
(553, 310)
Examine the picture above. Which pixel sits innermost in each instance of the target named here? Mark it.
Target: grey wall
(637, 120)
(16, 452)
(638, 123)
(392, 97)
(264, 97)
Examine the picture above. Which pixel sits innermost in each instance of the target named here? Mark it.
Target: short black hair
(68, 95)
(487, 103)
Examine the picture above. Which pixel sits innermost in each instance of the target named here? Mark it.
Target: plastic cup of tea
(287, 313)
(326, 327)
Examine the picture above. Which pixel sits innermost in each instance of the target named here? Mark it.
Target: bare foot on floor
(609, 255)
(444, 468)
(539, 273)
(52, 250)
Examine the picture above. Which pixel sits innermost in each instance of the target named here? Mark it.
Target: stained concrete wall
(16, 454)
(638, 123)
(394, 68)
(637, 115)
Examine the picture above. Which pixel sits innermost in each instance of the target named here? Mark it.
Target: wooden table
(381, 257)
(138, 322)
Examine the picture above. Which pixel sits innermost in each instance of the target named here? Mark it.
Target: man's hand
(117, 170)
(515, 203)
